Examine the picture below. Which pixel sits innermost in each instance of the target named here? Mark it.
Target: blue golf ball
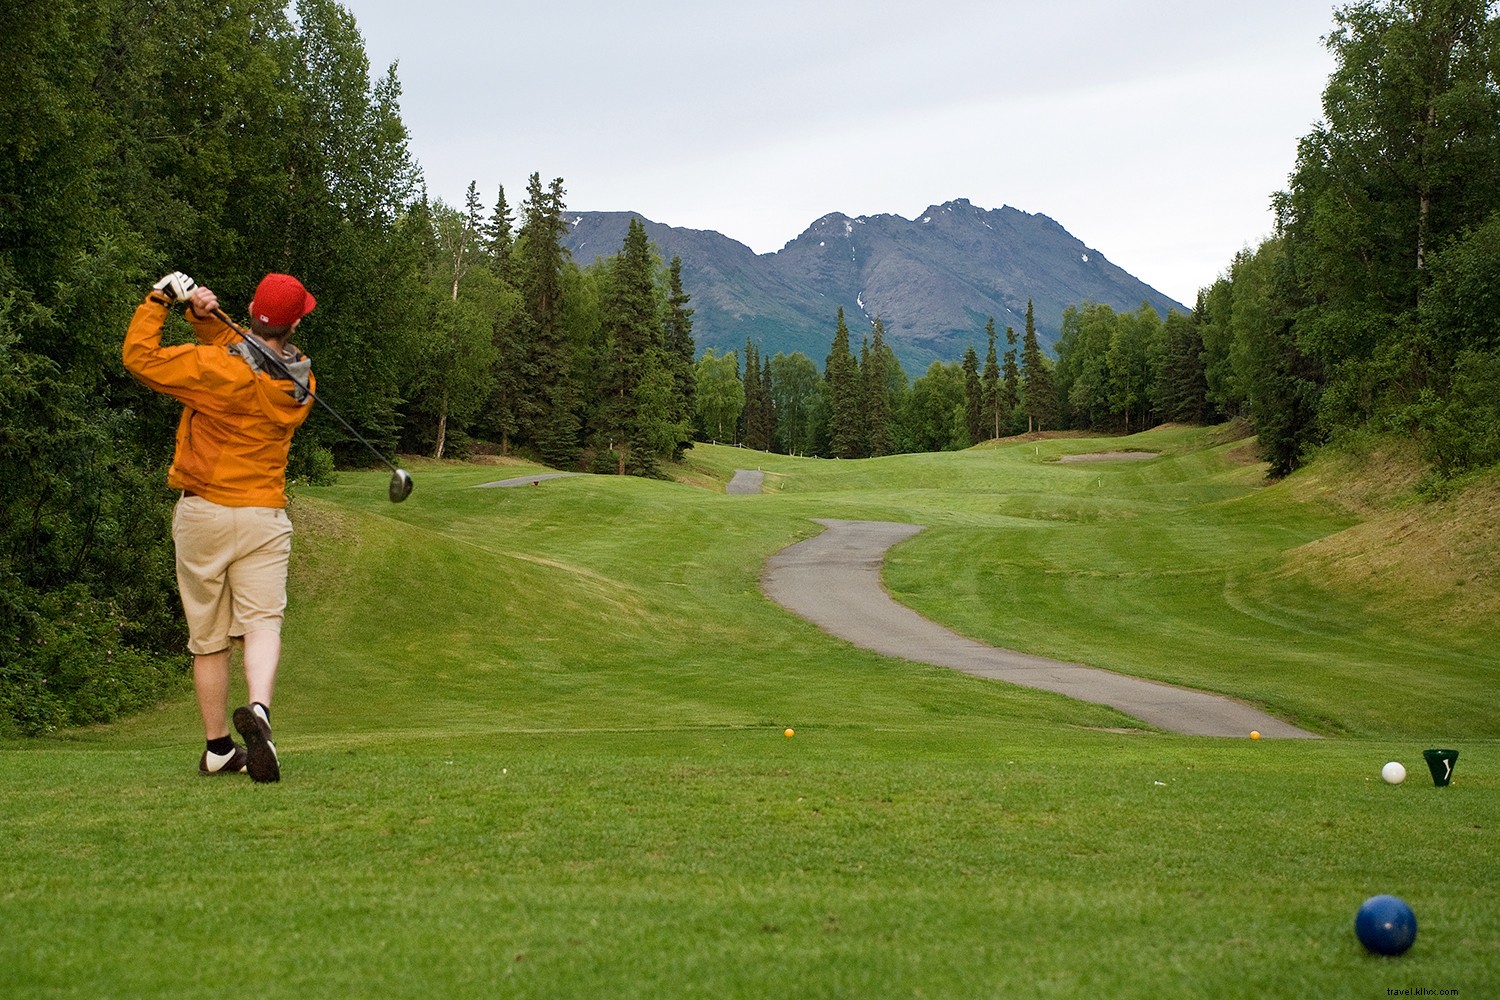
(1385, 925)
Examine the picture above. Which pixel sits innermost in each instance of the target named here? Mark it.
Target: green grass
(532, 748)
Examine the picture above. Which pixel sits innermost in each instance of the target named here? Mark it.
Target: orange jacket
(237, 423)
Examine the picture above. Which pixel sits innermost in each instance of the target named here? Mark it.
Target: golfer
(230, 528)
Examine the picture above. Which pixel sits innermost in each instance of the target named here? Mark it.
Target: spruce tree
(678, 340)
(1010, 397)
(876, 378)
(1183, 390)
(1038, 393)
(841, 373)
(973, 397)
(501, 418)
(501, 237)
(757, 429)
(633, 338)
(991, 383)
(547, 410)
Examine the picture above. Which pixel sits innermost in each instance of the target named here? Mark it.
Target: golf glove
(176, 286)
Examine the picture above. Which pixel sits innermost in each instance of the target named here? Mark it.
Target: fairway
(532, 746)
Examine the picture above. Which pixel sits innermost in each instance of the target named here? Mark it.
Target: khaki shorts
(231, 570)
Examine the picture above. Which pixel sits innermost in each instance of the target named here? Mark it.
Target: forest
(237, 138)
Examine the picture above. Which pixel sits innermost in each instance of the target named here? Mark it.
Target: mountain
(933, 280)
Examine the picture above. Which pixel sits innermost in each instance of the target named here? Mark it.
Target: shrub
(69, 664)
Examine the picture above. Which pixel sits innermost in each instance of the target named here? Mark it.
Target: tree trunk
(442, 427)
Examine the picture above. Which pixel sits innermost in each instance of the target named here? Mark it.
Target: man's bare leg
(262, 656)
(211, 683)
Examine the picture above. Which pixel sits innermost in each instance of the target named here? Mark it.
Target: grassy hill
(532, 746)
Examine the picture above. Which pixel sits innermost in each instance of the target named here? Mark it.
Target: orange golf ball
(790, 733)
(1255, 734)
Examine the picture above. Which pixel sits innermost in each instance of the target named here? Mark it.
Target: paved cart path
(746, 481)
(833, 580)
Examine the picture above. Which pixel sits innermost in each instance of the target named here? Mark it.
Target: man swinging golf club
(230, 528)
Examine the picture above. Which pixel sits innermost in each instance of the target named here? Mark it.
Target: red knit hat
(280, 300)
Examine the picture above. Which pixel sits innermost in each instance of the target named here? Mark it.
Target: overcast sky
(1154, 131)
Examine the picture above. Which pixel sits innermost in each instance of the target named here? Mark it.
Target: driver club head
(400, 485)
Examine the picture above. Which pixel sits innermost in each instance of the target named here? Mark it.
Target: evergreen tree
(1010, 399)
(634, 350)
(875, 376)
(990, 380)
(678, 341)
(766, 400)
(1038, 394)
(758, 431)
(547, 408)
(501, 417)
(501, 237)
(1281, 383)
(841, 373)
(974, 422)
(1184, 390)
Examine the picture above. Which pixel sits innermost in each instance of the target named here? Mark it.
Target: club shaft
(269, 356)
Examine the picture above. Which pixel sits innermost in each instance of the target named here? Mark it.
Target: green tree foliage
(841, 373)
(1180, 389)
(719, 397)
(796, 390)
(875, 371)
(759, 420)
(630, 421)
(1406, 164)
(1134, 363)
(454, 371)
(500, 237)
(1010, 405)
(1083, 377)
(227, 141)
(1127, 371)
(1038, 388)
(1211, 316)
(678, 342)
(990, 379)
(549, 395)
(1281, 382)
(1457, 418)
(974, 423)
(935, 412)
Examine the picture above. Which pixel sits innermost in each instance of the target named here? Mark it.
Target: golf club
(401, 483)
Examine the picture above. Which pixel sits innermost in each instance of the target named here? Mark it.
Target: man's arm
(184, 372)
(208, 328)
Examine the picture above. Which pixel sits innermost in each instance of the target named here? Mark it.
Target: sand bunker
(1111, 456)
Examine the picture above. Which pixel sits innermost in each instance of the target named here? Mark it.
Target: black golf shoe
(262, 762)
(230, 763)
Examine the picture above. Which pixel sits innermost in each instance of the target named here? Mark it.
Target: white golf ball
(1394, 772)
